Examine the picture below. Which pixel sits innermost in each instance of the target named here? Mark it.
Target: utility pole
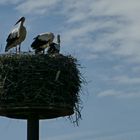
(32, 128)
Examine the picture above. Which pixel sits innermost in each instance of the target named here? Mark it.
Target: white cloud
(108, 93)
(125, 29)
(119, 94)
(126, 80)
(100, 25)
(104, 23)
(36, 7)
(9, 1)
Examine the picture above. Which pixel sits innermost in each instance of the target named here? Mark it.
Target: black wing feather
(37, 43)
(10, 40)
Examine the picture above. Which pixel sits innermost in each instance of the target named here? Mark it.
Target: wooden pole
(32, 128)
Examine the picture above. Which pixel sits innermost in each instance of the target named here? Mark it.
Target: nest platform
(38, 85)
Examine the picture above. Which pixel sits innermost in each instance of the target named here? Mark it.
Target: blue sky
(104, 35)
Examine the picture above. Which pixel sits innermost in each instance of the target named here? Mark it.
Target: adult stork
(17, 36)
(42, 41)
(54, 48)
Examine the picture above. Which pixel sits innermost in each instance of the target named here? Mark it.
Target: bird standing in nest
(17, 36)
(42, 41)
(54, 48)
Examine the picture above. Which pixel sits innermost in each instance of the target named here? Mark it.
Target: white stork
(17, 36)
(54, 48)
(42, 41)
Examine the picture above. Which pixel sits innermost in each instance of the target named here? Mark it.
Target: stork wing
(37, 43)
(14, 35)
(36, 37)
(10, 41)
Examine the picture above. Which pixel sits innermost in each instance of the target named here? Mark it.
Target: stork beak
(21, 19)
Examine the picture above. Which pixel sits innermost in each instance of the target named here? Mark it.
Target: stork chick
(17, 36)
(54, 48)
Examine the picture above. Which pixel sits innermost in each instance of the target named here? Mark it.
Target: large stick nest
(39, 81)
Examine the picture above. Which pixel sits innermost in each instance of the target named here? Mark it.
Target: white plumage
(17, 35)
(42, 41)
(46, 36)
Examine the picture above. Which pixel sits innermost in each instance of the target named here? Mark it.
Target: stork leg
(19, 48)
(16, 50)
(43, 51)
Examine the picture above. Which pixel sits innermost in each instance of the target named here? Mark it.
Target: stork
(17, 36)
(54, 48)
(42, 41)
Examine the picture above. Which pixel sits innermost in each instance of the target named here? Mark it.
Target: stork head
(22, 19)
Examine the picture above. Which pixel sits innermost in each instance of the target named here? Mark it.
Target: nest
(47, 86)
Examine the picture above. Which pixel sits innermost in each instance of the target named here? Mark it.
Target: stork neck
(21, 24)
